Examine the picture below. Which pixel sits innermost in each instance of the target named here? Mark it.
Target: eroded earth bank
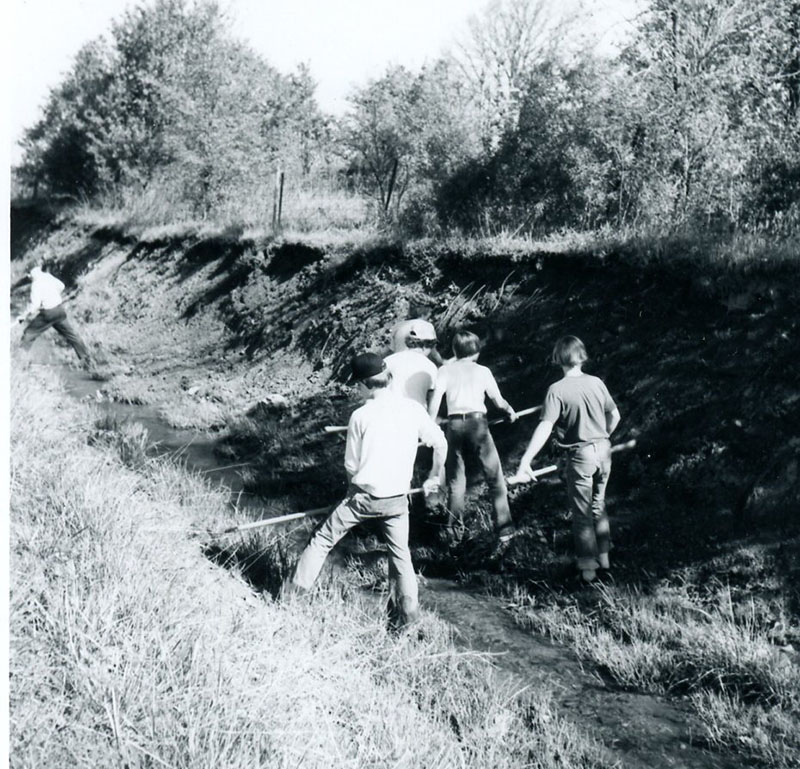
(241, 344)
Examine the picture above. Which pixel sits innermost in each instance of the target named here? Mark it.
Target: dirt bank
(247, 341)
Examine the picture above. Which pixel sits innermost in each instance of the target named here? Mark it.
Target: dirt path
(640, 730)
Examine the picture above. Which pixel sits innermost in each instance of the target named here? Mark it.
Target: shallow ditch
(195, 449)
(638, 730)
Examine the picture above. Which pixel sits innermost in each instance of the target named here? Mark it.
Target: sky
(343, 41)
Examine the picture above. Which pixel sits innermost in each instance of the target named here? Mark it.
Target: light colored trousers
(357, 507)
(588, 469)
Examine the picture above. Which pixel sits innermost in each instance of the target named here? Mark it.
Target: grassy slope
(130, 649)
(701, 356)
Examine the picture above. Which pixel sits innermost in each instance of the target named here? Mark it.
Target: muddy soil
(196, 450)
(640, 730)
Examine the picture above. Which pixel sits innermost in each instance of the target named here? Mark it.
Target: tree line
(522, 128)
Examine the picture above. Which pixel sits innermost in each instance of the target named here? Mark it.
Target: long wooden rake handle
(330, 429)
(323, 510)
(512, 481)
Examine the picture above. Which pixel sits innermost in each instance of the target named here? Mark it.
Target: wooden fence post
(277, 202)
(280, 196)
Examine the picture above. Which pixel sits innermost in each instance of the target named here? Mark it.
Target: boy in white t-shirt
(413, 373)
(465, 385)
(382, 438)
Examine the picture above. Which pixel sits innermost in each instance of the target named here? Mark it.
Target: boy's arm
(34, 304)
(434, 382)
(612, 420)
(431, 435)
(352, 451)
(538, 439)
(611, 411)
(435, 400)
(493, 394)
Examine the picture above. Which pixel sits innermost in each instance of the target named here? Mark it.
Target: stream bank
(703, 363)
(639, 731)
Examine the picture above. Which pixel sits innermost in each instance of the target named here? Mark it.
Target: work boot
(588, 575)
(402, 614)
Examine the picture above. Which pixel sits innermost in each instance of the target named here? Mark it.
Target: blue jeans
(359, 506)
(472, 436)
(588, 468)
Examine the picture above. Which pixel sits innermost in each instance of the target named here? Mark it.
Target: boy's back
(577, 407)
(413, 375)
(466, 385)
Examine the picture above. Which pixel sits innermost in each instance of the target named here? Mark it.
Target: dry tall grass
(745, 689)
(128, 648)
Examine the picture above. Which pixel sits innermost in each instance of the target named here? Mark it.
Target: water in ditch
(640, 731)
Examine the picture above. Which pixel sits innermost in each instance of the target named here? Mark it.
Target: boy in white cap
(382, 438)
(465, 385)
(584, 415)
(413, 373)
(46, 307)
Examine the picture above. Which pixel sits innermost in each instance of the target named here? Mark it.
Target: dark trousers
(471, 437)
(57, 319)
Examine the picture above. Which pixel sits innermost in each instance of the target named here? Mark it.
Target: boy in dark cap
(382, 438)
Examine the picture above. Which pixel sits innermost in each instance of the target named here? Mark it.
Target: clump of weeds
(668, 640)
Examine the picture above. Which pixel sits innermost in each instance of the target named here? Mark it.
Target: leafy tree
(172, 100)
(505, 42)
(709, 98)
(405, 132)
(547, 170)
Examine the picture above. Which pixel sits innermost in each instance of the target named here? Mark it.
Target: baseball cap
(422, 330)
(366, 365)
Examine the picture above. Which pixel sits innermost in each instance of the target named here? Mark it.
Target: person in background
(400, 334)
(413, 373)
(46, 307)
(382, 438)
(584, 415)
(464, 385)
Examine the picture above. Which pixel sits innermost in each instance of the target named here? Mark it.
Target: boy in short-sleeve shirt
(413, 373)
(584, 415)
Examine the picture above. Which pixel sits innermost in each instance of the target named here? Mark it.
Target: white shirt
(45, 292)
(382, 438)
(465, 385)
(413, 375)
(399, 334)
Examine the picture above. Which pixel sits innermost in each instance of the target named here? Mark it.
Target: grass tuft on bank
(129, 648)
(723, 656)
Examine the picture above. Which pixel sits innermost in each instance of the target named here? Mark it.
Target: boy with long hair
(584, 415)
